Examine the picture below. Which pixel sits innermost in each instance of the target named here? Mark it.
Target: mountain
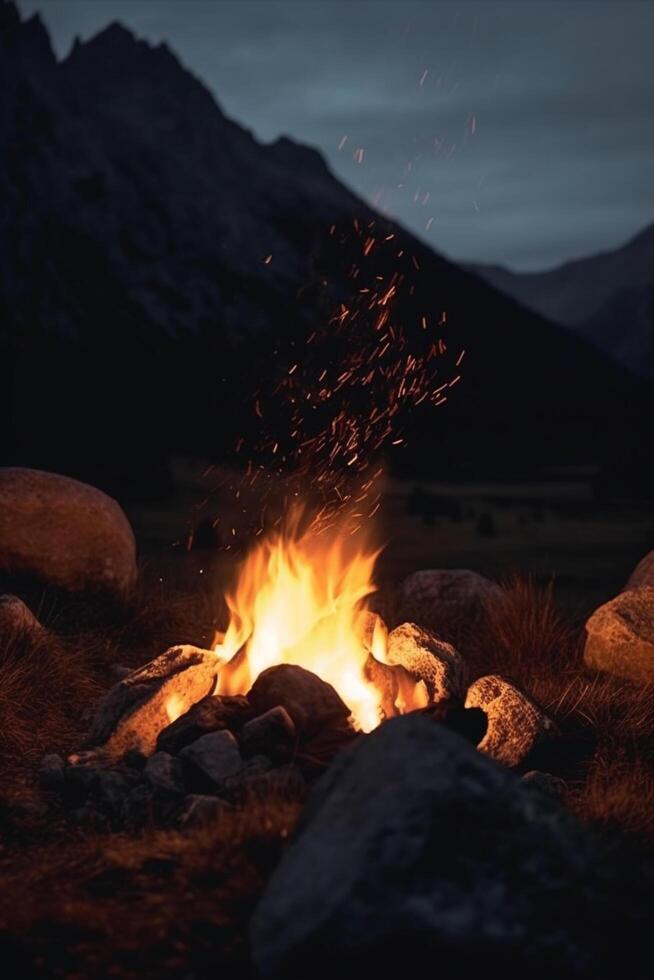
(158, 265)
(606, 298)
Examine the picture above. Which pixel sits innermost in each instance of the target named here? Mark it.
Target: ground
(75, 903)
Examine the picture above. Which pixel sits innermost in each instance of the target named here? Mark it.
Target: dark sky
(519, 133)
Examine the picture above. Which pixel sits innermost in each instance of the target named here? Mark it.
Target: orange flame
(299, 599)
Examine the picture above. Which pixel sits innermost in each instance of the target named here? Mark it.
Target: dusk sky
(514, 133)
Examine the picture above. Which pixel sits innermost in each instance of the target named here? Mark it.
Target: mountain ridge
(164, 264)
(586, 293)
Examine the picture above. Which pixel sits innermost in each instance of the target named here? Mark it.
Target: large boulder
(515, 724)
(415, 848)
(643, 574)
(448, 601)
(64, 533)
(620, 636)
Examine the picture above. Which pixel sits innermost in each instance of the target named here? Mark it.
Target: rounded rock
(446, 600)
(215, 757)
(620, 636)
(310, 701)
(415, 845)
(163, 772)
(515, 724)
(51, 773)
(273, 734)
(17, 618)
(643, 574)
(438, 664)
(64, 533)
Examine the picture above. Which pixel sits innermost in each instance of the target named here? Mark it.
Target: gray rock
(164, 773)
(17, 619)
(257, 765)
(416, 848)
(310, 701)
(273, 734)
(79, 781)
(137, 808)
(215, 757)
(643, 574)
(515, 724)
(448, 601)
(620, 636)
(438, 664)
(212, 714)
(50, 774)
(110, 789)
(64, 533)
(135, 760)
(204, 811)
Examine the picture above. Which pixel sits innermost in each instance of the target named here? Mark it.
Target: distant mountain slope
(157, 264)
(604, 297)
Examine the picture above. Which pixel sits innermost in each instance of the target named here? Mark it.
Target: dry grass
(523, 633)
(45, 686)
(160, 905)
(50, 682)
(606, 749)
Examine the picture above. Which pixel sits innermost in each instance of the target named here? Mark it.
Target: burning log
(137, 708)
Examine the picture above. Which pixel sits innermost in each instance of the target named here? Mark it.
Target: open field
(554, 529)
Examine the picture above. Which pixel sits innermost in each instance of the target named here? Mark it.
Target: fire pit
(302, 669)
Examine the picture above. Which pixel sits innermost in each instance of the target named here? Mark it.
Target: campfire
(300, 599)
(298, 611)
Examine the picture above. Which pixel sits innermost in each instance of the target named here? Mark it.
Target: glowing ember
(299, 600)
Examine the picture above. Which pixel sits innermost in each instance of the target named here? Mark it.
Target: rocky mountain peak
(25, 40)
